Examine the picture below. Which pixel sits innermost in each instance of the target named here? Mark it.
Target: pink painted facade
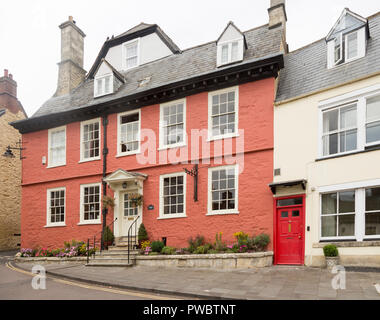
(255, 202)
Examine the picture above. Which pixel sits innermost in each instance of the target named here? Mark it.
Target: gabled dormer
(347, 40)
(107, 79)
(230, 46)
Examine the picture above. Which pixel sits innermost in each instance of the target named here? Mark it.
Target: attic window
(103, 85)
(230, 52)
(131, 54)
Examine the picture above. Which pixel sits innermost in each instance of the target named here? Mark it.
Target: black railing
(96, 240)
(132, 244)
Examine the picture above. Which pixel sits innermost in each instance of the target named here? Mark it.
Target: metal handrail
(94, 238)
(134, 223)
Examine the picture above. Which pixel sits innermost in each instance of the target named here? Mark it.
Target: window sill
(120, 155)
(89, 160)
(180, 145)
(172, 217)
(348, 243)
(55, 166)
(227, 136)
(367, 149)
(223, 213)
(54, 225)
(89, 223)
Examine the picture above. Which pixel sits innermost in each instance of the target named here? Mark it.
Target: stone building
(10, 173)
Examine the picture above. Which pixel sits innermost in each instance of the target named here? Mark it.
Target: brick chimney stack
(278, 18)
(8, 93)
(71, 72)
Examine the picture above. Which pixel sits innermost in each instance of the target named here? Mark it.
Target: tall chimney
(71, 72)
(8, 93)
(278, 18)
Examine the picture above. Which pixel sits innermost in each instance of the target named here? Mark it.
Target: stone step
(103, 264)
(116, 254)
(113, 261)
(121, 247)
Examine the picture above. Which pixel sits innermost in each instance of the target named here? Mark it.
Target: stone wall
(10, 183)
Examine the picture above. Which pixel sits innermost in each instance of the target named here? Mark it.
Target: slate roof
(306, 70)
(200, 60)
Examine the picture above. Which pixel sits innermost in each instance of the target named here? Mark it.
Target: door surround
(275, 225)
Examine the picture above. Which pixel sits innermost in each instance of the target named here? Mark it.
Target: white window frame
(369, 144)
(128, 153)
(48, 215)
(359, 188)
(163, 216)
(346, 59)
(162, 145)
(211, 212)
(337, 62)
(229, 43)
(235, 134)
(124, 53)
(103, 92)
(62, 162)
(360, 98)
(94, 221)
(82, 124)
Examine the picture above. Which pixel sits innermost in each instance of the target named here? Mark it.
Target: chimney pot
(10, 76)
(6, 73)
(71, 18)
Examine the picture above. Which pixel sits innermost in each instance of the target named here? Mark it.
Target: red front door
(290, 235)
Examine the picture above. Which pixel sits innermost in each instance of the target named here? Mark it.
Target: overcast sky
(30, 37)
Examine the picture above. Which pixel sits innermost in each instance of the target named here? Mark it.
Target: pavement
(273, 283)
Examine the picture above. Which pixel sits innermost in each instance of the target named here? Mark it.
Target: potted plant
(331, 255)
(136, 200)
(142, 234)
(108, 237)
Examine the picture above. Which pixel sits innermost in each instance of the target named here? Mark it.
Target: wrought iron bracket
(194, 174)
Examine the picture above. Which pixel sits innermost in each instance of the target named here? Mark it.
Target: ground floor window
(173, 195)
(351, 214)
(90, 203)
(223, 183)
(56, 207)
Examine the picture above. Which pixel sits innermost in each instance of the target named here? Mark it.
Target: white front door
(128, 215)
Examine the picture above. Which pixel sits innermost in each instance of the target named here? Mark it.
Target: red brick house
(132, 125)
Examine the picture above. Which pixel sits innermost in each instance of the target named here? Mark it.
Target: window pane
(373, 109)
(372, 199)
(225, 53)
(372, 224)
(234, 54)
(289, 202)
(352, 45)
(330, 121)
(347, 202)
(284, 214)
(330, 144)
(346, 225)
(348, 141)
(329, 203)
(329, 226)
(348, 117)
(373, 132)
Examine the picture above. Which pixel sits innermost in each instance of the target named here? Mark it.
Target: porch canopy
(273, 186)
(122, 179)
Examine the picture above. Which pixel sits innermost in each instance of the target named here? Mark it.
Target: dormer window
(103, 85)
(347, 41)
(230, 46)
(131, 54)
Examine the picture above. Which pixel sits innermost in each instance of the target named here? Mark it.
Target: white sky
(30, 37)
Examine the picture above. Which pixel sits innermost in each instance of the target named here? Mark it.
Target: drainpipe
(105, 153)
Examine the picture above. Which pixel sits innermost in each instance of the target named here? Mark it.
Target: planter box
(209, 261)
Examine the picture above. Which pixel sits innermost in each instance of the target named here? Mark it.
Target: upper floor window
(223, 113)
(90, 140)
(57, 147)
(351, 126)
(173, 124)
(103, 85)
(128, 133)
(131, 54)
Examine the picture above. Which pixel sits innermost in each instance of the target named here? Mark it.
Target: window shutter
(330, 54)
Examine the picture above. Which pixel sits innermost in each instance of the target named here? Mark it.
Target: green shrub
(212, 251)
(157, 246)
(168, 250)
(200, 250)
(108, 236)
(242, 238)
(195, 243)
(219, 245)
(261, 242)
(153, 253)
(330, 250)
(142, 234)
